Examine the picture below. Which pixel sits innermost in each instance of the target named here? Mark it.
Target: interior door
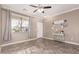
(39, 29)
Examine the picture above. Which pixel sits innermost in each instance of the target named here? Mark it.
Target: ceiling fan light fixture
(40, 10)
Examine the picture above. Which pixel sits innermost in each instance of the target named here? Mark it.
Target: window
(19, 25)
(25, 24)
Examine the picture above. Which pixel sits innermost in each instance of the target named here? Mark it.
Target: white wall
(16, 36)
(71, 30)
(0, 24)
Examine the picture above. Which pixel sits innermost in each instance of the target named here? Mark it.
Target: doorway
(39, 29)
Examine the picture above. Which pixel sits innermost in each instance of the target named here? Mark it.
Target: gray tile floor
(41, 46)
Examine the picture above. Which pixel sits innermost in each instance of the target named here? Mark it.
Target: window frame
(20, 20)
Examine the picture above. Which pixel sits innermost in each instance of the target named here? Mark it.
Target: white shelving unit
(58, 36)
(58, 27)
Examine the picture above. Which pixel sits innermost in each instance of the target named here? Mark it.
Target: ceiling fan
(40, 8)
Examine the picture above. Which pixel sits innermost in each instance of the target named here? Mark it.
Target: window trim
(20, 19)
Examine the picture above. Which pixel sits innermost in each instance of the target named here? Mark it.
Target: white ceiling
(56, 9)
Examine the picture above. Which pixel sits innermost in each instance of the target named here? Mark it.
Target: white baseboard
(63, 41)
(36, 39)
(10, 43)
(71, 42)
(48, 38)
(6, 44)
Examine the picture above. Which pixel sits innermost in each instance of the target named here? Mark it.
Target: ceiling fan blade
(35, 10)
(47, 7)
(32, 5)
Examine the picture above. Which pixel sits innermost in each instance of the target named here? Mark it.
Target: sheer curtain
(0, 24)
(6, 25)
